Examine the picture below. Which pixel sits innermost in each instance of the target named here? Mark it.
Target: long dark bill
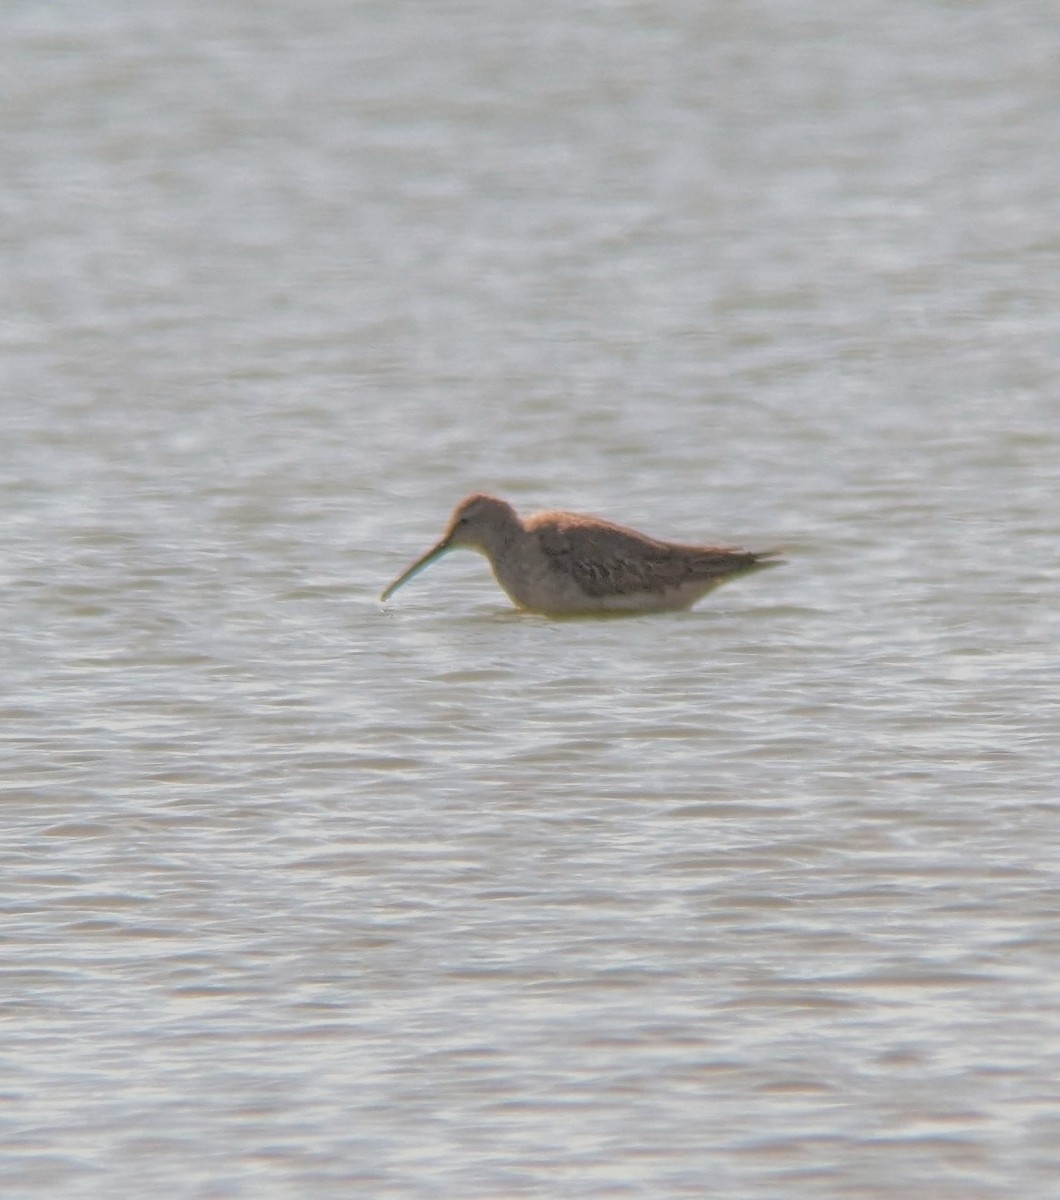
(434, 552)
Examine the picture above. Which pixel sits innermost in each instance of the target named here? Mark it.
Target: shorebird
(563, 564)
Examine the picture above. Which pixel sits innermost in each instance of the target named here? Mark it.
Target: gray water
(307, 897)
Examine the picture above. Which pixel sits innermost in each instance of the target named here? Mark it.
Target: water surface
(305, 896)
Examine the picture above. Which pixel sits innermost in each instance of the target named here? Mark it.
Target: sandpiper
(563, 564)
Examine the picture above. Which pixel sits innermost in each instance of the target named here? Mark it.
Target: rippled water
(307, 897)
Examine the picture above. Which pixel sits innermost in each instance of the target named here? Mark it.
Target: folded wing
(608, 560)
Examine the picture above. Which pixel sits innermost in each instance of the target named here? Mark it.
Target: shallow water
(307, 896)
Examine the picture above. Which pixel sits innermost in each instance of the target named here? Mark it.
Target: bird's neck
(504, 533)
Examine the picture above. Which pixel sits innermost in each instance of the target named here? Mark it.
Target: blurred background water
(306, 897)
